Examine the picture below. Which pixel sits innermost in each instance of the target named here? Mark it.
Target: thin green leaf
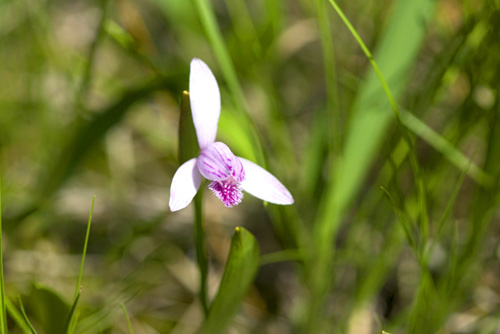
(84, 253)
(17, 317)
(446, 213)
(87, 74)
(282, 256)
(188, 142)
(70, 321)
(48, 309)
(440, 144)
(331, 116)
(128, 319)
(241, 268)
(25, 316)
(403, 219)
(3, 316)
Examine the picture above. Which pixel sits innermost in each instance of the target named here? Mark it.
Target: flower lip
(217, 163)
(228, 191)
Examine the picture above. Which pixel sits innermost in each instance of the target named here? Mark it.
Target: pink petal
(217, 163)
(205, 102)
(185, 184)
(262, 184)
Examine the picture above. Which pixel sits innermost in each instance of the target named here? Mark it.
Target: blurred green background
(89, 104)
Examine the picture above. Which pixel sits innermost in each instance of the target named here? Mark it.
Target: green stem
(201, 250)
(78, 283)
(128, 319)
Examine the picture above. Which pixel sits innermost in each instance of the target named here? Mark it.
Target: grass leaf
(128, 319)
(25, 316)
(241, 268)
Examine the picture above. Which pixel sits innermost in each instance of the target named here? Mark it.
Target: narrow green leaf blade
(241, 267)
(49, 309)
(188, 142)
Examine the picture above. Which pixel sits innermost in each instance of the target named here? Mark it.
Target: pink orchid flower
(229, 174)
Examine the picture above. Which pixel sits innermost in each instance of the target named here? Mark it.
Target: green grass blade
(128, 319)
(71, 315)
(282, 256)
(427, 309)
(188, 142)
(17, 317)
(440, 144)
(69, 321)
(446, 213)
(25, 316)
(331, 119)
(48, 309)
(87, 74)
(3, 316)
(403, 219)
(241, 268)
(87, 234)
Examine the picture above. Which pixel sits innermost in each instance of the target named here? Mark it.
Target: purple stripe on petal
(228, 192)
(217, 163)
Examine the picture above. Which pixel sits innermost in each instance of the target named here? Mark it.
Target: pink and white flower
(229, 174)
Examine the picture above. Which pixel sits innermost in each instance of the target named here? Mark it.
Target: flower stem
(201, 250)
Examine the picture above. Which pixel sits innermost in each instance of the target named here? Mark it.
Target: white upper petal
(262, 184)
(185, 184)
(205, 102)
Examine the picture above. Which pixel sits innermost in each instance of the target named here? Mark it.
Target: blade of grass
(87, 234)
(70, 322)
(282, 256)
(440, 144)
(403, 219)
(17, 317)
(3, 316)
(25, 316)
(446, 213)
(331, 124)
(241, 267)
(87, 74)
(78, 289)
(128, 319)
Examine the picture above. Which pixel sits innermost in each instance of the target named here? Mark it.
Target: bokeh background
(89, 105)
